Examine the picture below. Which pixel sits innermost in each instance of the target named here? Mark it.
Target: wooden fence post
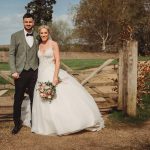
(120, 80)
(128, 78)
(132, 78)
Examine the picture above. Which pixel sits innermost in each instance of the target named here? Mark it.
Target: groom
(23, 64)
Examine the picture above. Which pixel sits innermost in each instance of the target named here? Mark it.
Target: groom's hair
(28, 15)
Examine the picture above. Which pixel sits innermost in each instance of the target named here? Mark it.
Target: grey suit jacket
(18, 50)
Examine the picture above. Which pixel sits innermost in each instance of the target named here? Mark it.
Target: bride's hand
(55, 81)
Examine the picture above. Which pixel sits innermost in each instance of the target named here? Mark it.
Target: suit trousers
(26, 81)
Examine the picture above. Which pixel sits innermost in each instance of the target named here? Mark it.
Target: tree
(61, 32)
(99, 22)
(41, 9)
(95, 21)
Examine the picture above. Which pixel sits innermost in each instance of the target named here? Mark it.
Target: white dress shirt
(29, 39)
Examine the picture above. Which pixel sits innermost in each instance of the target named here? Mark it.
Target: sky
(11, 12)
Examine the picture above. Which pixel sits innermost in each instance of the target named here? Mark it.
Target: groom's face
(28, 23)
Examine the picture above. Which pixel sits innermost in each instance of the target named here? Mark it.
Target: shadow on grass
(143, 114)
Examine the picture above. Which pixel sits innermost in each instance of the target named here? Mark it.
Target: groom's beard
(28, 29)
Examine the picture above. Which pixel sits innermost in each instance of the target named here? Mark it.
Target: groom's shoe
(16, 129)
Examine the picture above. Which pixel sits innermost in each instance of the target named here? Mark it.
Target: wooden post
(132, 78)
(128, 78)
(120, 80)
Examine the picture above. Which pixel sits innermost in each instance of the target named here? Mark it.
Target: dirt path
(114, 136)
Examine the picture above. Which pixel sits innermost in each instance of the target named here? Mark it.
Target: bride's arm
(57, 63)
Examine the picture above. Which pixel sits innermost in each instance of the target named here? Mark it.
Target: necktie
(29, 34)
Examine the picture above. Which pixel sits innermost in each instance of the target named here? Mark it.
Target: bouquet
(47, 90)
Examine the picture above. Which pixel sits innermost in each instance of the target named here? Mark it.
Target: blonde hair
(45, 27)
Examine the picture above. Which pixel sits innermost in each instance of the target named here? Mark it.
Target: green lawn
(142, 58)
(76, 64)
(4, 66)
(143, 113)
(3, 81)
(79, 64)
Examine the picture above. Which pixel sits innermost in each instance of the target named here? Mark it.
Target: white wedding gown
(72, 110)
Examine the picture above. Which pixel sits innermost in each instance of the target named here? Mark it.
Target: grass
(143, 114)
(142, 58)
(4, 66)
(3, 81)
(4, 49)
(76, 64)
(79, 64)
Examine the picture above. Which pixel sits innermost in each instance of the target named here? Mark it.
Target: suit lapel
(23, 39)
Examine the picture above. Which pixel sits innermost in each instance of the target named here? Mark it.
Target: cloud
(9, 25)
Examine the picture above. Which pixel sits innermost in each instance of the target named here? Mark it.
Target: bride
(73, 109)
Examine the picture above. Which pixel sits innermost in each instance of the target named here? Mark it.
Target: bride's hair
(45, 27)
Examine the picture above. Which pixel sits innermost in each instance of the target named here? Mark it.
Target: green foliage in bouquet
(47, 91)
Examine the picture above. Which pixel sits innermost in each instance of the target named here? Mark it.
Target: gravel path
(115, 136)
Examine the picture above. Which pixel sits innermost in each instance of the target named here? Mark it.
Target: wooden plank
(6, 117)
(99, 99)
(108, 107)
(6, 86)
(96, 90)
(6, 72)
(6, 100)
(106, 63)
(2, 92)
(78, 78)
(83, 72)
(105, 95)
(7, 78)
(101, 84)
(90, 90)
(67, 68)
(105, 110)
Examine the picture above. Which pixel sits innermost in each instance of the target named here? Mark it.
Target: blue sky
(11, 12)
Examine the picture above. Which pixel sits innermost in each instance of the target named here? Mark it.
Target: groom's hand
(15, 75)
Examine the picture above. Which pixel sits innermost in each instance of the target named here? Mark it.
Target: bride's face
(44, 34)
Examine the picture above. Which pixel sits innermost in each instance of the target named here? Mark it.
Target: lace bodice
(46, 58)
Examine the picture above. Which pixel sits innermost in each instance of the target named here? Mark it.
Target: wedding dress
(71, 111)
